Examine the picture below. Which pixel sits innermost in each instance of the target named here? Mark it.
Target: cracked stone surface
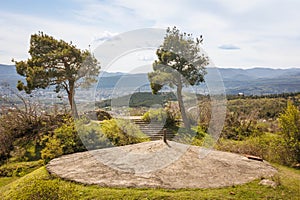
(157, 165)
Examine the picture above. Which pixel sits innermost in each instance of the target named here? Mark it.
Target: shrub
(289, 122)
(161, 116)
(19, 169)
(239, 126)
(267, 146)
(155, 115)
(63, 140)
(99, 115)
(82, 134)
(52, 148)
(173, 111)
(21, 127)
(122, 132)
(92, 136)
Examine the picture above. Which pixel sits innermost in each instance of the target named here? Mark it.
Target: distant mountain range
(259, 81)
(8, 74)
(248, 81)
(255, 81)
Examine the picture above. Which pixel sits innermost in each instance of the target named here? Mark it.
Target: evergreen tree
(56, 62)
(179, 64)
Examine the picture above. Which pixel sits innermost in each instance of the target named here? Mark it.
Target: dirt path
(157, 165)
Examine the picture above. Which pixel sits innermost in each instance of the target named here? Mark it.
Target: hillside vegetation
(267, 127)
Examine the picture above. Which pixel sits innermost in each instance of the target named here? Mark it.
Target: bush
(289, 122)
(63, 140)
(22, 127)
(99, 115)
(92, 136)
(52, 148)
(161, 116)
(239, 126)
(75, 136)
(122, 132)
(155, 115)
(267, 146)
(19, 169)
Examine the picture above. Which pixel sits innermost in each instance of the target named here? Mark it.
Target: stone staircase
(154, 130)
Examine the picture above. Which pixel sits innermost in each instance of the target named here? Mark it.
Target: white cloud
(106, 35)
(266, 31)
(239, 7)
(18, 29)
(229, 47)
(146, 56)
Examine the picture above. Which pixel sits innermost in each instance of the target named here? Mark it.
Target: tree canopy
(180, 63)
(57, 63)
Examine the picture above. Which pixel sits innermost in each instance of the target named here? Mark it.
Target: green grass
(19, 168)
(6, 180)
(40, 185)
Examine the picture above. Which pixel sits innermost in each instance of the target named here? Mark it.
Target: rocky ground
(159, 165)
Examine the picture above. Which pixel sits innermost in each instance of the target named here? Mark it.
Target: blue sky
(237, 33)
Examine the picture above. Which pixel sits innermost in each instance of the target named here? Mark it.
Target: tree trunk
(182, 108)
(71, 94)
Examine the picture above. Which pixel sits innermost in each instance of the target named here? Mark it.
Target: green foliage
(179, 64)
(52, 149)
(197, 136)
(160, 115)
(155, 115)
(39, 185)
(58, 63)
(180, 52)
(239, 126)
(139, 99)
(201, 132)
(173, 113)
(98, 114)
(63, 140)
(147, 99)
(202, 138)
(268, 146)
(122, 132)
(92, 136)
(25, 149)
(21, 129)
(19, 169)
(289, 122)
(137, 111)
(266, 108)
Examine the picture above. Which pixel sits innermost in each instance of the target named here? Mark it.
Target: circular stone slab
(144, 169)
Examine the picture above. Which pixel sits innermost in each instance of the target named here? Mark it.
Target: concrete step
(153, 130)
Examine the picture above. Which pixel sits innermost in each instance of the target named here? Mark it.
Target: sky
(237, 33)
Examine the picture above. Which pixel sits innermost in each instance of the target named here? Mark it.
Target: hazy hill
(9, 75)
(249, 81)
(255, 81)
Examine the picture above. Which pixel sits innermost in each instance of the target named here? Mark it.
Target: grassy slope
(40, 185)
